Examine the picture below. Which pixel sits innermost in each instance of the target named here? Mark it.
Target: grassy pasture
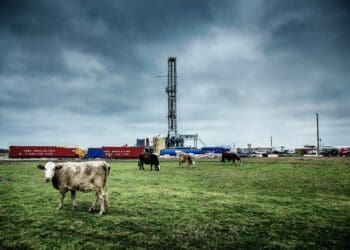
(265, 203)
(2, 154)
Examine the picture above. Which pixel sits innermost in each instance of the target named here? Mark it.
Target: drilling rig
(173, 138)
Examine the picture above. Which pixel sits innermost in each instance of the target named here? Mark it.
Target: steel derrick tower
(173, 138)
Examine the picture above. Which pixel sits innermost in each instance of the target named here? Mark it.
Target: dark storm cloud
(109, 30)
(315, 36)
(314, 29)
(34, 35)
(74, 62)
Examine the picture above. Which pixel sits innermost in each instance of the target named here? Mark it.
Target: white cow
(79, 176)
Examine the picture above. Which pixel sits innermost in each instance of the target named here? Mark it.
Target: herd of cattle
(92, 176)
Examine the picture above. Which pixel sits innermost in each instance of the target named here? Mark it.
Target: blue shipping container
(95, 153)
(172, 151)
(214, 150)
(195, 151)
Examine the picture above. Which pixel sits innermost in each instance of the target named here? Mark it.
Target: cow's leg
(106, 200)
(190, 161)
(74, 199)
(102, 196)
(62, 194)
(92, 208)
(140, 165)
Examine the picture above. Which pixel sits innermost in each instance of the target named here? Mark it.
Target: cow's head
(50, 168)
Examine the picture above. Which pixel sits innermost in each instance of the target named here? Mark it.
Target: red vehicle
(303, 151)
(42, 152)
(344, 151)
(124, 152)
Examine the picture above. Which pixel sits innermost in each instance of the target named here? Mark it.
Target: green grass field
(265, 203)
(2, 154)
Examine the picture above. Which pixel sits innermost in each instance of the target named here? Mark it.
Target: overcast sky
(83, 73)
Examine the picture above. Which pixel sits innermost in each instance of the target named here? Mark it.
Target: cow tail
(107, 170)
(105, 186)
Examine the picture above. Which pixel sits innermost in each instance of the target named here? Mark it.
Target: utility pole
(271, 142)
(318, 136)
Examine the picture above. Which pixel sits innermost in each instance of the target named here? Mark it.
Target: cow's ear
(42, 167)
(58, 167)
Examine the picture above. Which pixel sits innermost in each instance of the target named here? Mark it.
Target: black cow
(151, 159)
(230, 157)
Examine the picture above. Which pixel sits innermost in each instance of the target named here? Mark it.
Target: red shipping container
(123, 152)
(63, 152)
(41, 152)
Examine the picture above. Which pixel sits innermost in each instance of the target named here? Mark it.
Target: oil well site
(190, 124)
(270, 198)
(167, 146)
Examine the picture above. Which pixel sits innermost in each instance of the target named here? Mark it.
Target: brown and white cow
(231, 157)
(79, 176)
(185, 158)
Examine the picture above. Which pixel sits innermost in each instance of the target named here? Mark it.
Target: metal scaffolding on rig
(173, 138)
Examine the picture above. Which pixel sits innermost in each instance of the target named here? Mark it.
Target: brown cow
(185, 158)
(147, 158)
(79, 176)
(231, 157)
